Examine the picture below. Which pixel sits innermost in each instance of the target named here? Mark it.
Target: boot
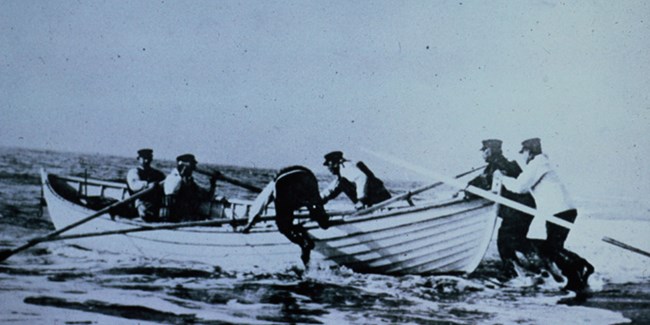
(572, 268)
(581, 265)
(586, 271)
(574, 282)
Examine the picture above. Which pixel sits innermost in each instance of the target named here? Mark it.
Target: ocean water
(62, 283)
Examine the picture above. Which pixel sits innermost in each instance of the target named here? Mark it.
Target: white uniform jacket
(352, 173)
(541, 180)
(133, 180)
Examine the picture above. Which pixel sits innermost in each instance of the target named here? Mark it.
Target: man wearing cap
(143, 177)
(542, 181)
(355, 180)
(514, 225)
(183, 195)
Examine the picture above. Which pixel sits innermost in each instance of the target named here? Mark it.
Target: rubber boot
(572, 269)
(585, 269)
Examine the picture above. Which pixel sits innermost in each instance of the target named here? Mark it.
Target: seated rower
(142, 177)
(183, 196)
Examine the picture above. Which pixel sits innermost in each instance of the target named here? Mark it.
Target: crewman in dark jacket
(183, 196)
(514, 226)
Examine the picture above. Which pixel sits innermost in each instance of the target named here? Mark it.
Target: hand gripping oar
(232, 181)
(33, 242)
(497, 199)
(407, 195)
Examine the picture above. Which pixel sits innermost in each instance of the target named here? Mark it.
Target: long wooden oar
(230, 180)
(204, 223)
(4, 254)
(498, 199)
(407, 195)
(189, 224)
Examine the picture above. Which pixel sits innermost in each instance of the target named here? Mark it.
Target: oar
(33, 242)
(189, 224)
(232, 181)
(498, 199)
(203, 223)
(407, 195)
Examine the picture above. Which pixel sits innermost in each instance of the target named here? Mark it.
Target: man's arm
(525, 181)
(134, 182)
(331, 191)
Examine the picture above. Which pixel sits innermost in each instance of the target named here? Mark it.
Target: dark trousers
(571, 264)
(512, 239)
(557, 235)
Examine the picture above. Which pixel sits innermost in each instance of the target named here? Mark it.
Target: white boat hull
(449, 237)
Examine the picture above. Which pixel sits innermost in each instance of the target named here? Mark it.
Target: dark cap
(494, 144)
(145, 153)
(187, 158)
(533, 144)
(334, 156)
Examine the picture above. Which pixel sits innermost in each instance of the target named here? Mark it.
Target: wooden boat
(433, 237)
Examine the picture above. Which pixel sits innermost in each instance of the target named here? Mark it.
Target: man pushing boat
(293, 188)
(515, 224)
(540, 179)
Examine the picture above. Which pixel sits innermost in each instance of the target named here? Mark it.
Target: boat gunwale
(309, 225)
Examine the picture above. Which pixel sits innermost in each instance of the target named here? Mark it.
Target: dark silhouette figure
(294, 187)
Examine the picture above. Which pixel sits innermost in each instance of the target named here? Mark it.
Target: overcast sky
(275, 83)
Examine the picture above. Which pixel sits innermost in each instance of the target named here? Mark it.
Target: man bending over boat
(542, 181)
(183, 196)
(514, 225)
(355, 180)
(293, 188)
(143, 177)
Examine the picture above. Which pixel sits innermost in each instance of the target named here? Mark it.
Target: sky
(277, 83)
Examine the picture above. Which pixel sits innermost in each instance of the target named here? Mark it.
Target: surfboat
(431, 237)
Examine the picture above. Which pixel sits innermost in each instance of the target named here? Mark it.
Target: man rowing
(142, 177)
(183, 196)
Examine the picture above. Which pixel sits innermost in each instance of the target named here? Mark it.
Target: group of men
(181, 195)
(538, 186)
(170, 198)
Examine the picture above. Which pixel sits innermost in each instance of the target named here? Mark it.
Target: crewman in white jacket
(355, 180)
(541, 180)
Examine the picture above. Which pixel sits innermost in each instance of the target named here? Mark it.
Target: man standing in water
(355, 180)
(514, 226)
(143, 177)
(293, 188)
(542, 181)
